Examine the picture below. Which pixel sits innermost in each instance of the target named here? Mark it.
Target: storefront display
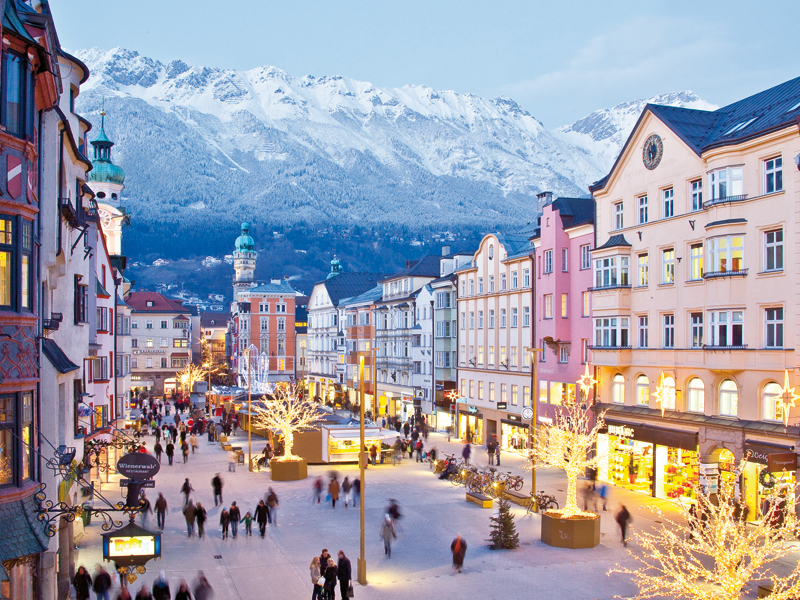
(443, 421)
(514, 436)
(631, 464)
(470, 428)
(680, 475)
(769, 474)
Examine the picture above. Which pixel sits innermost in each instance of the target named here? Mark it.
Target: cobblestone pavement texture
(249, 568)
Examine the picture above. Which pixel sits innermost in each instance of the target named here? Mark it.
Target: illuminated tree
(715, 554)
(568, 443)
(289, 414)
(190, 375)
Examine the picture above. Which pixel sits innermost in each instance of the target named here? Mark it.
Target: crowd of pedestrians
(326, 573)
(102, 584)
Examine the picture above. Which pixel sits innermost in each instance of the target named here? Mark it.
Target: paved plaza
(433, 513)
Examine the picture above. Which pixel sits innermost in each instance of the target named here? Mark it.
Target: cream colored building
(695, 280)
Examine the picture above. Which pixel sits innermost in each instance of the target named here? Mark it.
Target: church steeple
(102, 145)
(105, 171)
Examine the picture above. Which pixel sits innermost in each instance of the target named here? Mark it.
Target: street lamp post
(362, 561)
(249, 418)
(534, 418)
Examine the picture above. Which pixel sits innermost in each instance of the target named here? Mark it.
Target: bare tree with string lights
(289, 414)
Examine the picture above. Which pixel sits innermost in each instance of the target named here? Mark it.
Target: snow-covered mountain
(266, 144)
(603, 132)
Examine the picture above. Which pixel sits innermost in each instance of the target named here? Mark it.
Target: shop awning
(514, 423)
(23, 533)
(685, 440)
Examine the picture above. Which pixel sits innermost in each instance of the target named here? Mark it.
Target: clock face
(652, 152)
(105, 218)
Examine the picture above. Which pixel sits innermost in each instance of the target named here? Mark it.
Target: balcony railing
(737, 347)
(719, 274)
(610, 287)
(610, 347)
(68, 211)
(714, 201)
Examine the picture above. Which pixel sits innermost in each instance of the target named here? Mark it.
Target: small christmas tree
(503, 534)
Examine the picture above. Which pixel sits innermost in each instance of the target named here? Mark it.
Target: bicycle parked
(543, 501)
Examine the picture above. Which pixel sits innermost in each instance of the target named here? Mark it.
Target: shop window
(771, 403)
(728, 398)
(642, 391)
(618, 389)
(696, 396)
(562, 393)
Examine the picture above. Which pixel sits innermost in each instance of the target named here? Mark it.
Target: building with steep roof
(161, 334)
(694, 300)
(214, 327)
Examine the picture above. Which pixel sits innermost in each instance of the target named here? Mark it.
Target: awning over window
(23, 534)
(57, 357)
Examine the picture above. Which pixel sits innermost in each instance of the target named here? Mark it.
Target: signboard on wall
(782, 461)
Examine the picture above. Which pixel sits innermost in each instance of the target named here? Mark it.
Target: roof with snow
(701, 130)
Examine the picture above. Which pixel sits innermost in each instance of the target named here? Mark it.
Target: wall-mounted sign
(461, 400)
(527, 413)
(783, 461)
(622, 431)
(472, 409)
(502, 405)
(515, 418)
(138, 466)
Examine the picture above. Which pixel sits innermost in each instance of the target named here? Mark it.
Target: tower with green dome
(107, 181)
(244, 262)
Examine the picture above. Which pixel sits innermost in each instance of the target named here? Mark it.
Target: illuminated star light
(586, 381)
(661, 393)
(788, 397)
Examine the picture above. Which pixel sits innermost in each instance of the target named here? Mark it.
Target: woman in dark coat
(459, 549)
(83, 583)
(331, 571)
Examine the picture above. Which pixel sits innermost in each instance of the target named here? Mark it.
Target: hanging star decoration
(661, 393)
(788, 397)
(586, 382)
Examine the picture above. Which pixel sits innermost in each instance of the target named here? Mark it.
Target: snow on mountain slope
(384, 154)
(604, 132)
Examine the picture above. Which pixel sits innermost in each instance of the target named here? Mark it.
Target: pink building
(562, 290)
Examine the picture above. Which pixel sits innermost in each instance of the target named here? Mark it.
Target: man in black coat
(343, 573)
(261, 516)
(216, 483)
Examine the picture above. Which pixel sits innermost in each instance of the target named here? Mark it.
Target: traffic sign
(147, 483)
(527, 413)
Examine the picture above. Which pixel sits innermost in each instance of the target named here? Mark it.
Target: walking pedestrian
(170, 452)
(183, 592)
(623, 518)
(102, 583)
(146, 509)
(194, 443)
(144, 593)
(232, 461)
(235, 514)
(333, 491)
(490, 452)
(603, 492)
(459, 549)
(330, 579)
(356, 492)
(343, 574)
(432, 454)
(216, 484)
(202, 589)
(497, 454)
(373, 454)
(158, 449)
(123, 593)
(272, 506)
(466, 452)
(317, 490)
(419, 447)
(186, 489)
(201, 517)
(185, 451)
(161, 588)
(224, 520)
(248, 523)
(346, 490)
(161, 510)
(315, 575)
(388, 533)
(83, 583)
(262, 515)
(190, 513)
(406, 429)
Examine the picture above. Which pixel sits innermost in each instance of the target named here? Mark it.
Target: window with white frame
(548, 261)
(503, 356)
(611, 332)
(773, 250)
(564, 260)
(513, 356)
(771, 402)
(668, 393)
(585, 351)
(472, 320)
(668, 266)
(526, 316)
(264, 323)
(471, 287)
(669, 331)
(502, 282)
(667, 203)
(463, 321)
(697, 194)
(480, 355)
(480, 390)
(563, 354)
(491, 319)
(548, 306)
(491, 355)
(514, 395)
(564, 306)
(514, 280)
(611, 271)
(726, 183)
(696, 319)
(773, 327)
(502, 317)
(696, 398)
(618, 221)
(491, 391)
(514, 317)
(727, 328)
(727, 253)
(463, 287)
(773, 175)
(618, 389)
(526, 278)
(642, 331)
(586, 257)
(728, 398)
(642, 391)
(442, 300)
(641, 203)
(491, 283)
(480, 319)
(696, 262)
(643, 269)
(586, 298)
(471, 388)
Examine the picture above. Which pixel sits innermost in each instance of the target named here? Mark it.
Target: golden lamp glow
(586, 381)
(788, 397)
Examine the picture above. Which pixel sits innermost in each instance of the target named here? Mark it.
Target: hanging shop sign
(655, 435)
(513, 418)
(527, 413)
(760, 452)
(138, 466)
(150, 483)
(783, 461)
(472, 409)
(502, 405)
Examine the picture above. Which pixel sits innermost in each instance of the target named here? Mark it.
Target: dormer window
(149, 303)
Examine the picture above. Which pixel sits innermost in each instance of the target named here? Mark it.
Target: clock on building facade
(652, 152)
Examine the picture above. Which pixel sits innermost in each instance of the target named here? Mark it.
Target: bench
(479, 499)
(223, 439)
(523, 500)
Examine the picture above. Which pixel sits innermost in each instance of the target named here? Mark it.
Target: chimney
(445, 250)
(545, 198)
(408, 263)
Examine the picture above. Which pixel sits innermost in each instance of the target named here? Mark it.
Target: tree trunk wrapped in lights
(568, 443)
(189, 375)
(716, 554)
(289, 414)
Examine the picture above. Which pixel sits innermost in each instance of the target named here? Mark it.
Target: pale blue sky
(559, 60)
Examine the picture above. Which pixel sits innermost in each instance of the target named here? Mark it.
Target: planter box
(288, 470)
(576, 532)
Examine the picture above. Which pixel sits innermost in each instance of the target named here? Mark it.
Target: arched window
(728, 398)
(669, 393)
(642, 391)
(771, 404)
(697, 396)
(618, 390)
(491, 251)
